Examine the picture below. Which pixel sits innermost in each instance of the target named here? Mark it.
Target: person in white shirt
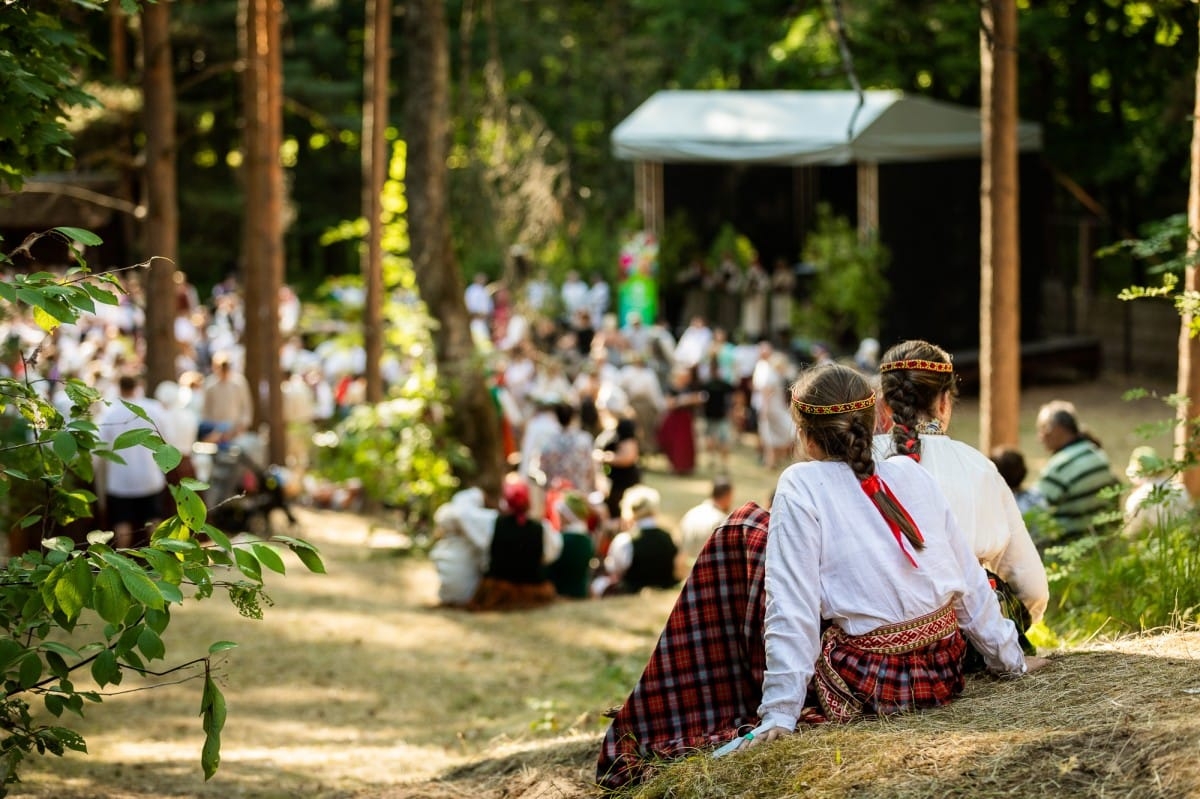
(574, 294)
(699, 522)
(918, 388)
(858, 595)
(478, 299)
(599, 297)
(131, 492)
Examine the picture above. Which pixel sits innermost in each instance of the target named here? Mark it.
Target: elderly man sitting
(1076, 478)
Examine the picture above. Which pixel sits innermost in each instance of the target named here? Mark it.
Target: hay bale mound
(1114, 720)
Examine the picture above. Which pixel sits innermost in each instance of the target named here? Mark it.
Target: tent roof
(802, 128)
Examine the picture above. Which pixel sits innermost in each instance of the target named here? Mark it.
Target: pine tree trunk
(162, 219)
(1000, 260)
(474, 417)
(377, 37)
(1189, 346)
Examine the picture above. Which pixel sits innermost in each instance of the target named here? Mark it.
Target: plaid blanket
(704, 679)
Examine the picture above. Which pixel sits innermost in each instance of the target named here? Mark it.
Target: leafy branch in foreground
(90, 608)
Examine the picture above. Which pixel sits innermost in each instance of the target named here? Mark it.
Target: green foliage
(114, 604)
(849, 289)
(729, 241)
(402, 443)
(39, 58)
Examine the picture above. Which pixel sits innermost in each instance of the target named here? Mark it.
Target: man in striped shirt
(1076, 476)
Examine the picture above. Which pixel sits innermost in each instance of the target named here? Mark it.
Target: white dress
(987, 513)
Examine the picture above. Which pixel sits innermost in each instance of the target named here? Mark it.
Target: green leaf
(142, 588)
(132, 438)
(168, 566)
(64, 445)
(100, 536)
(170, 593)
(248, 564)
(221, 646)
(109, 597)
(140, 412)
(192, 510)
(59, 544)
(69, 738)
(151, 644)
(158, 620)
(30, 672)
(74, 588)
(81, 236)
(218, 537)
(105, 670)
(307, 553)
(57, 665)
(269, 558)
(212, 712)
(62, 649)
(55, 704)
(167, 457)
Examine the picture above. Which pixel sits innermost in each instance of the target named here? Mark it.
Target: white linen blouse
(830, 555)
(987, 513)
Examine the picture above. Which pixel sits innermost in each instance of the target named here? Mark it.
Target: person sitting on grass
(571, 572)
(1077, 479)
(1158, 496)
(520, 550)
(644, 554)
(849, 599)
(919, 388)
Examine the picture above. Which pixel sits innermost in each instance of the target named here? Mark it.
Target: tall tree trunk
(263, 246)
(377, 53)
(1000, 260)
(426, 115)
(1189, 346)
(162, 220)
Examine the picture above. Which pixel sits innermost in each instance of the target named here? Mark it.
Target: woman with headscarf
(520, 550)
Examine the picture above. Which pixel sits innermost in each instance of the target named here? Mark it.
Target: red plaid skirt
(704, 679)
(703, 684)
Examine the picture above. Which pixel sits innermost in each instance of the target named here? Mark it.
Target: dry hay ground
(354, 686)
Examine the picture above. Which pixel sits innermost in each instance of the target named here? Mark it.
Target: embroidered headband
(841, 407)
(916, 363)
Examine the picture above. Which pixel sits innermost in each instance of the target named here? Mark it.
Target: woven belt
(905, 636)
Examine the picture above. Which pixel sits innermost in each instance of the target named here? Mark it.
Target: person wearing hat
(643, 555)
(1157, 496)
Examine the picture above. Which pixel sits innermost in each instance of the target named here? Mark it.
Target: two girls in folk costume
(851, 599)
(918, 390)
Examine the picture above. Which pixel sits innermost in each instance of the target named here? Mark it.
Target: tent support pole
(868, 200)
(648, 194)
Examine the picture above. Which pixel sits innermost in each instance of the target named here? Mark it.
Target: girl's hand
(770, 735)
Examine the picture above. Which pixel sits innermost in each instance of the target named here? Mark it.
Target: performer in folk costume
(846, 601)
(918, 389)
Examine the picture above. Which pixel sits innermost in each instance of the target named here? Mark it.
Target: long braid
(847, 436)
(911, 392)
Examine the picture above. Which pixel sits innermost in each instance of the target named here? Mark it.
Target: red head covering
(516, 498)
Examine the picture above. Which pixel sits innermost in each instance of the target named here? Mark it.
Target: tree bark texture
(1189, 346)
(374, 171)
(159, 173)
(1000, 260)
(474, 417)
(262, 272)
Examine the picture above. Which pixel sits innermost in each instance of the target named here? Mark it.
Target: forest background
(537, 88)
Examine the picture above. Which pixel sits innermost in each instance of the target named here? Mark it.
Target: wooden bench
(1050, 360)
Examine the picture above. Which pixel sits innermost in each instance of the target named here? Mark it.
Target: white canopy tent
(797, 128)
(802, 127)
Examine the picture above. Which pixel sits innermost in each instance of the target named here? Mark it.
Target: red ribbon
(872, 486)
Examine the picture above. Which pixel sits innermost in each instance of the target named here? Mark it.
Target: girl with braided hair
(918, 386)
(850, 598)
